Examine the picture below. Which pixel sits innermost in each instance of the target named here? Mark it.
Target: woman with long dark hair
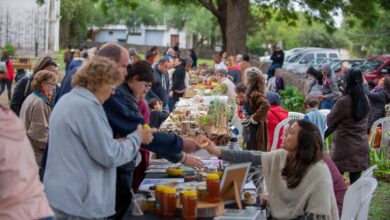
(350, 150)
(256, 108)
(298, 181)
(315, 88)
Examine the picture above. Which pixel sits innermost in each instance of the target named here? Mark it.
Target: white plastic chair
(295, 115)
(369, 172)
(325, 113)
(357, 199)
(378, 122)
(277, 131)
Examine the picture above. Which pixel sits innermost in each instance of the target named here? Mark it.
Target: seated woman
(36, 110)
(83, 156)
(298, 181)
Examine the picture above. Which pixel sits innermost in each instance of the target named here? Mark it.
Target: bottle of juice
(213, 188)
(189, 205)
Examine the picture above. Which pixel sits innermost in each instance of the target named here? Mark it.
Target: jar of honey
(213, 188)
(169, 203)
(189, 205)
(159, 193)
(202, 193)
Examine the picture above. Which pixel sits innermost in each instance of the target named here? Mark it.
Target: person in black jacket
(178, 78)
(23, 87)
(277, 61)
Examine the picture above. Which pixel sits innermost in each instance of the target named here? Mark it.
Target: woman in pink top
(21, 192)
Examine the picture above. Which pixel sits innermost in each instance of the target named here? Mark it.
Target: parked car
(352, 63)
(376, 68)
(299, 63)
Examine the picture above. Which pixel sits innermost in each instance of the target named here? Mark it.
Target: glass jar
(213, 188)
(189, 205)
(159, 194)
(202, 193)
(169, 203)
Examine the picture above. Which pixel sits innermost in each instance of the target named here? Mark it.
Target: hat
(273, 98)
(132, 51)
(43, 62)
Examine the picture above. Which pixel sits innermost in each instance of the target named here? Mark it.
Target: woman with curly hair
(36, 110)
(256, 108)
(80, 177)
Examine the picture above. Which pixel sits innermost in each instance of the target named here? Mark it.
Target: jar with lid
(213, 188)
(189, 205)
(202, 193)
(159, 204)
(169, 203)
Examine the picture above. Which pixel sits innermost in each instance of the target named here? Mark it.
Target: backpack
(3, 68)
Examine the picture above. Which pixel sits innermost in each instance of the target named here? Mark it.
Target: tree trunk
(236, 26)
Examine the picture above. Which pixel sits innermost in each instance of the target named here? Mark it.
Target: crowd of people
(91, 145)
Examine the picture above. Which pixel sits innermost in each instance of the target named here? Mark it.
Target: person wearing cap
(275, 115)
(226, 86)
(23, 87)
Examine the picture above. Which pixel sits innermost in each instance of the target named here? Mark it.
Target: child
(157, 116)
(240, 98)
(313, 115)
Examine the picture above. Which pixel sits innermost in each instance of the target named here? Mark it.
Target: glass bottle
(189, 205)
(213, 188)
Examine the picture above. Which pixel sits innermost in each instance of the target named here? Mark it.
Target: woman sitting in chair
(298, 180)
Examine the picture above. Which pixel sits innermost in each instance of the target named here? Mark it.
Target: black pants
(124, 182)
(8, 83)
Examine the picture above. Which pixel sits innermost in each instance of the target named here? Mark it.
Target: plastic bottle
(189, 205)
(213, 188)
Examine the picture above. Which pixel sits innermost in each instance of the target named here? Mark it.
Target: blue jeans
(271, 69)
(327, 104)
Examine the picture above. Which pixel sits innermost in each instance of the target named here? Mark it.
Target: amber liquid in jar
(169, 204)
(213, 188)
(159, 198)
(189, 206)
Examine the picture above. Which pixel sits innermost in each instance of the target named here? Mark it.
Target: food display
(202, 116)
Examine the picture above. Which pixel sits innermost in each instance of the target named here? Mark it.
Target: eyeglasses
(148, 84)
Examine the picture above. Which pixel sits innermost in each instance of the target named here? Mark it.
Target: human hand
(146, 133)
(209, 145)
(321, 98)
(190, 145)
(192, 161)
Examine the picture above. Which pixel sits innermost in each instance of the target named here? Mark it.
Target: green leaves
(292, 99)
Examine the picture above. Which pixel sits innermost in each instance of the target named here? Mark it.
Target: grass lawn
(380, 203)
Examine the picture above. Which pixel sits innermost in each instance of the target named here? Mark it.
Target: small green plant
(292, 99)
(10, 49)
(205, 120)
(379, 157)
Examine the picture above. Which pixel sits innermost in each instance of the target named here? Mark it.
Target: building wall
(104, 36)
(23, 23)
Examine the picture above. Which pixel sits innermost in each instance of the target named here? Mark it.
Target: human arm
(100, 144)
(337, 114)
(230, 155)
(334, 89)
